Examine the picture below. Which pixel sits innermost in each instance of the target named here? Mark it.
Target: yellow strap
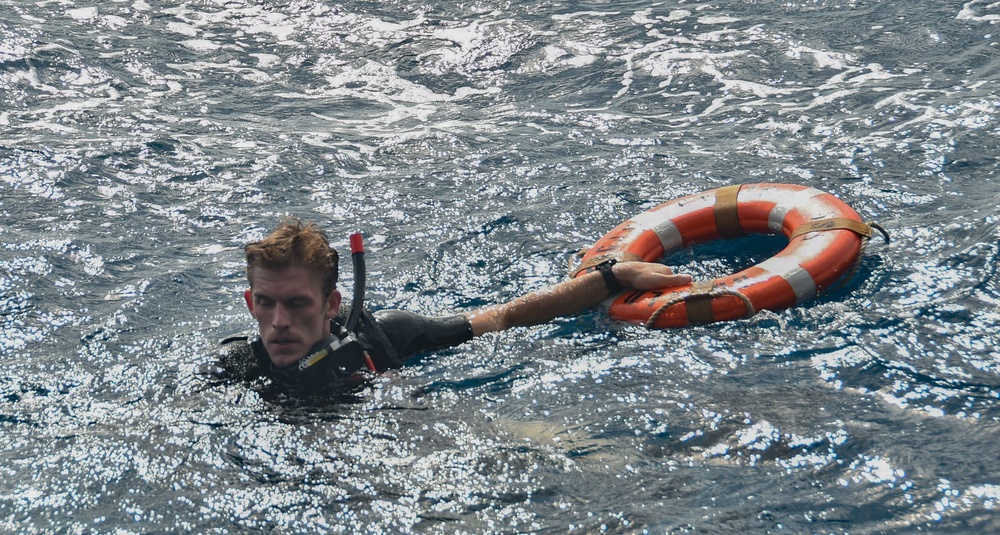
(727, 218)
(620, 256)
(834, 223)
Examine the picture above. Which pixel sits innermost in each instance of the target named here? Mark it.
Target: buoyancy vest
(387, 338)
(338, 364)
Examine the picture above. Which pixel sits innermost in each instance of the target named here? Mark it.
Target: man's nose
(281, 316)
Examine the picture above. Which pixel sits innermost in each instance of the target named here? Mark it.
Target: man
(302, 341)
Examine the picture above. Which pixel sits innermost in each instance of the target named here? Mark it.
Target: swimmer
(302, 340)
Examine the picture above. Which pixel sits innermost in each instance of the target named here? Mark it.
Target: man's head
(293, 296)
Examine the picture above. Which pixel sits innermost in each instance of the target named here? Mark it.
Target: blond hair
(295, 244)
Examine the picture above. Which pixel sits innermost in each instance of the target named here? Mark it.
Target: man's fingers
(665, 281)
(678, 279)
(649, 275)
(653, 281)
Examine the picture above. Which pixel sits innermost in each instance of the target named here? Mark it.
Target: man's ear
(249, 299)
(333, 305)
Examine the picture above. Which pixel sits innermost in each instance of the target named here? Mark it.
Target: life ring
(826, 239)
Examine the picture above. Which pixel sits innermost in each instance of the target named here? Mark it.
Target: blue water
(479, 145)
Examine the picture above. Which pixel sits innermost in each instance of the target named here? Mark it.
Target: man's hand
(648, 275)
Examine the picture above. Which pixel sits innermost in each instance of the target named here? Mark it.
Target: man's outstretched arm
(571, 296)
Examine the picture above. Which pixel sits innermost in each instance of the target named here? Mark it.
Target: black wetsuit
(388, 336)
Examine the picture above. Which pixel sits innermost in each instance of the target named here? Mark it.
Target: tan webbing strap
(727, 219)
(699, 303)
(834, 223)
(621, 256)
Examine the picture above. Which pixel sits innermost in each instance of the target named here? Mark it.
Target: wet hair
(295, 244)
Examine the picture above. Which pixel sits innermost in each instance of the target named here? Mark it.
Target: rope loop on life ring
(695, 294)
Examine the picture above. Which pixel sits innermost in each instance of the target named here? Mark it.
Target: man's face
(291, 311)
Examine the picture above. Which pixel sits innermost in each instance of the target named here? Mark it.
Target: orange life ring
(826, 238)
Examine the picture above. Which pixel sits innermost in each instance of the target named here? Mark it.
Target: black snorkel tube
(358, 301)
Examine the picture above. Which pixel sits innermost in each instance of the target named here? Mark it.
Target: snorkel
(358, 299)
(358, 261)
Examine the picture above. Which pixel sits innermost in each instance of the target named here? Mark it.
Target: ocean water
(478, 145)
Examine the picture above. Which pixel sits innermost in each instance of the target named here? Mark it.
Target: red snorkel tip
(357, 244)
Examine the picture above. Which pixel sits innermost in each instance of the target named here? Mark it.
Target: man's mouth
(283, 342)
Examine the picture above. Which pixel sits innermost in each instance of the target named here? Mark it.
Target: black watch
(610, 280)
